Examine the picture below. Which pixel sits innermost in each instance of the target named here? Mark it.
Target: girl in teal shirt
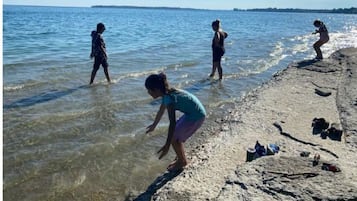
(179, 131)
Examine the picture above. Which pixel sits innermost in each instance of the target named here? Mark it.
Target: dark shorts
(100, 61)
(217, 54)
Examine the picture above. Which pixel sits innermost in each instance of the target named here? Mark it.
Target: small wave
(182, 65)
(45, 33)
(278, 50)
(299, 48)
(14, 87)
(28, 84)
(341, 40)
(135, 75)
(153, 71)
(274, 58)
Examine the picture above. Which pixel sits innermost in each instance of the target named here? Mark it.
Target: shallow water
(65, 140)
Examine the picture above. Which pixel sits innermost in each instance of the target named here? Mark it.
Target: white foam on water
(340, 40)
(14, 87)
(275, 56)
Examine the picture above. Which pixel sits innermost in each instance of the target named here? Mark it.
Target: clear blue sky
(207, 4)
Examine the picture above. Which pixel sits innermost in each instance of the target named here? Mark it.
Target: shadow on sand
(305, 63)
(42, 97)
(156, 185)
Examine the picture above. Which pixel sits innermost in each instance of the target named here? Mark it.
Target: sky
(204, 4)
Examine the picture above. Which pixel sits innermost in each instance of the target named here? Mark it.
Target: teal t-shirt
(186, 103)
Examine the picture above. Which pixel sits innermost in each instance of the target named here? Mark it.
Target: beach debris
(277, 125)
(323, 93)
(328, 151)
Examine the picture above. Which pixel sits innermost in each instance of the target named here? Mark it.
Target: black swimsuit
(218, 51)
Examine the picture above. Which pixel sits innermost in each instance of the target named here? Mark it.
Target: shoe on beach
(305, 154)
(250, 154)
(319, 124)
(260, 150)
(272, 149)
(330, 167)
(322, 92)
(324, 134)
(334, 133)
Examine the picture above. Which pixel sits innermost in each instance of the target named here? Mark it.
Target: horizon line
(172, 7)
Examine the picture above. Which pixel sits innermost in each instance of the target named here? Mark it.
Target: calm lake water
(65, 140)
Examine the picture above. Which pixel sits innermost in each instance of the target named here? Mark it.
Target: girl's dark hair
(100, 26)
(318, 22)
(216, 23)
(158, 81)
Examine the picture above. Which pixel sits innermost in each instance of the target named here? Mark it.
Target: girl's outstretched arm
(157, 119)
(172, 118)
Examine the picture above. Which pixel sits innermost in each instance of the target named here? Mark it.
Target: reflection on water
(42, 97)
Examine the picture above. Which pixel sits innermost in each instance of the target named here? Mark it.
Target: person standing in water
(179, 131)
(218, 49)
(324, 38)
(99, 53)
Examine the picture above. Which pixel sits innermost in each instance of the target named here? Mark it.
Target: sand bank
(279, 112)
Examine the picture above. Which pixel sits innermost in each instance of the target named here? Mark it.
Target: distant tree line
(351, 10)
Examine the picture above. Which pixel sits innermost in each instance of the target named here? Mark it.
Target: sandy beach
(280, 112)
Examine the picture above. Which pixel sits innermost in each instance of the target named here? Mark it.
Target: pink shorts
(185, 129)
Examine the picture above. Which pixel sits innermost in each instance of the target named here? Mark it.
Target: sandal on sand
(330, 167)
(316, 159)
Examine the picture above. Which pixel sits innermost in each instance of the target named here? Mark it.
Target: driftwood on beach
(280, 112)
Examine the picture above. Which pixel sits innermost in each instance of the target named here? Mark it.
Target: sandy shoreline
(290, 100)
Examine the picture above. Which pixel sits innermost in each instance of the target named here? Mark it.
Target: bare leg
(95, 69)
(220, 70)
(107, 74)
(94, 72)
(214, 67)
(180, 153)
(317, 46)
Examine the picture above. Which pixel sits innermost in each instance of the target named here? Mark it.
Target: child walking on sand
(99, 53)
(324, 37)
(179, 131)
(218, 49)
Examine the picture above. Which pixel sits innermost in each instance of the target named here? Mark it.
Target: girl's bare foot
(172, 163)
(171, 166)
(177, 166)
